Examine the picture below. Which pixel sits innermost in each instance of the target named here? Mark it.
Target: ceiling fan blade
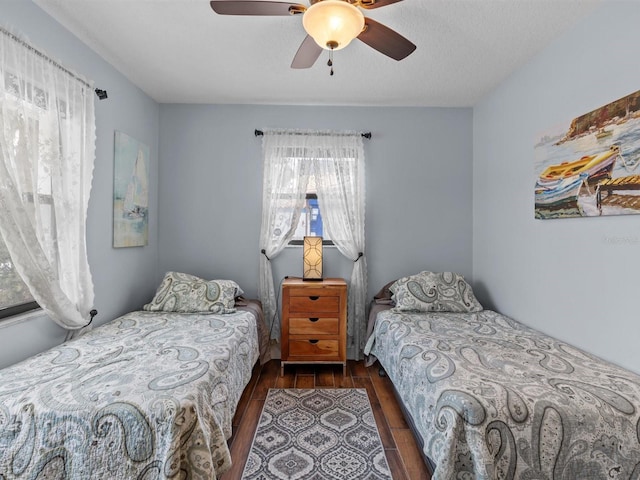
(370, 4)
(255, 7)
(307, 54)
(385, 40)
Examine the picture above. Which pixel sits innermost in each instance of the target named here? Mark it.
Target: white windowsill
(21, 317)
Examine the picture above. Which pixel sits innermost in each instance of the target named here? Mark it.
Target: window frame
(8, 312)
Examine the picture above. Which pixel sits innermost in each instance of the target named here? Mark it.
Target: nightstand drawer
(314, 304)
(314, 326)
(313, 348)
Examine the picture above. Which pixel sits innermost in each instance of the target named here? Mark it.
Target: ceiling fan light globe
(333, 22)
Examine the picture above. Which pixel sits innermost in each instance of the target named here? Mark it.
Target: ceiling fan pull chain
(330, 62)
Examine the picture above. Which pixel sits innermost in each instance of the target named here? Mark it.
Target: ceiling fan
(330, 25)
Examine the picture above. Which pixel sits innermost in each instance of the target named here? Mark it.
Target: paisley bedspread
(148, 395)
(494, 399)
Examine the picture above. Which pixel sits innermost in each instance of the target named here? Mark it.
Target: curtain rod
(43, 56)
(259, 133)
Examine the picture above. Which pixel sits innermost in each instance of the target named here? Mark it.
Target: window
(310, 223)
(15, 294)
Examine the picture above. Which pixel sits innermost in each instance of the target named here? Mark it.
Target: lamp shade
(333, 23)
(312, 258)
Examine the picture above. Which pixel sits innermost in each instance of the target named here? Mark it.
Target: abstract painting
(130, 192)
(589, 167)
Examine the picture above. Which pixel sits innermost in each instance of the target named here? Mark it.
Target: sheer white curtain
(337, 162)
(284, 186)
(47, 148)
(339, 173)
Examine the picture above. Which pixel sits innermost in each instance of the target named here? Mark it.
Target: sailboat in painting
(136, 200)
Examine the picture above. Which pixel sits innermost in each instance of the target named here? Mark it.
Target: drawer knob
(314, 298)
(314, 319)
(313, 341)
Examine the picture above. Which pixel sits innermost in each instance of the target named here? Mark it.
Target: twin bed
(490, 398)
(151, 394)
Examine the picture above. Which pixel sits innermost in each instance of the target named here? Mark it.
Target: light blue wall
(576, 279)
(418, 181)
(123, 278)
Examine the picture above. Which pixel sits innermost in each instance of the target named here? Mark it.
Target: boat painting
(599, 148)
(131, 192)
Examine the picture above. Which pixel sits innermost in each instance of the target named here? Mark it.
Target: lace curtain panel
(340, 187)
(284, 185)
(47, 150)
(337, 162)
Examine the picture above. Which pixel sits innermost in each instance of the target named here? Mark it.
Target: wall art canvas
(589, 167)
(130, 192)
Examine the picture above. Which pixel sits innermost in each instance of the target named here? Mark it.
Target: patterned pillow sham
(184, 293)
(434, 292)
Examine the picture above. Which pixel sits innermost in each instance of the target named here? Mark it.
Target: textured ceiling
(180, 51)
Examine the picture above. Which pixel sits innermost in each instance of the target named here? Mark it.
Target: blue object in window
(315, 218)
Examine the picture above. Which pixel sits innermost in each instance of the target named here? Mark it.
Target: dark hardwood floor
(403, 454)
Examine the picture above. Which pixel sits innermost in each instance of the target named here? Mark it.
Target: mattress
(148, 395)
(494, 399)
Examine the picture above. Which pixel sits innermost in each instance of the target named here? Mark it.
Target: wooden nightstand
(314, 322)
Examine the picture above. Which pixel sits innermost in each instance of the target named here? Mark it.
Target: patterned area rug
(319, 434)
